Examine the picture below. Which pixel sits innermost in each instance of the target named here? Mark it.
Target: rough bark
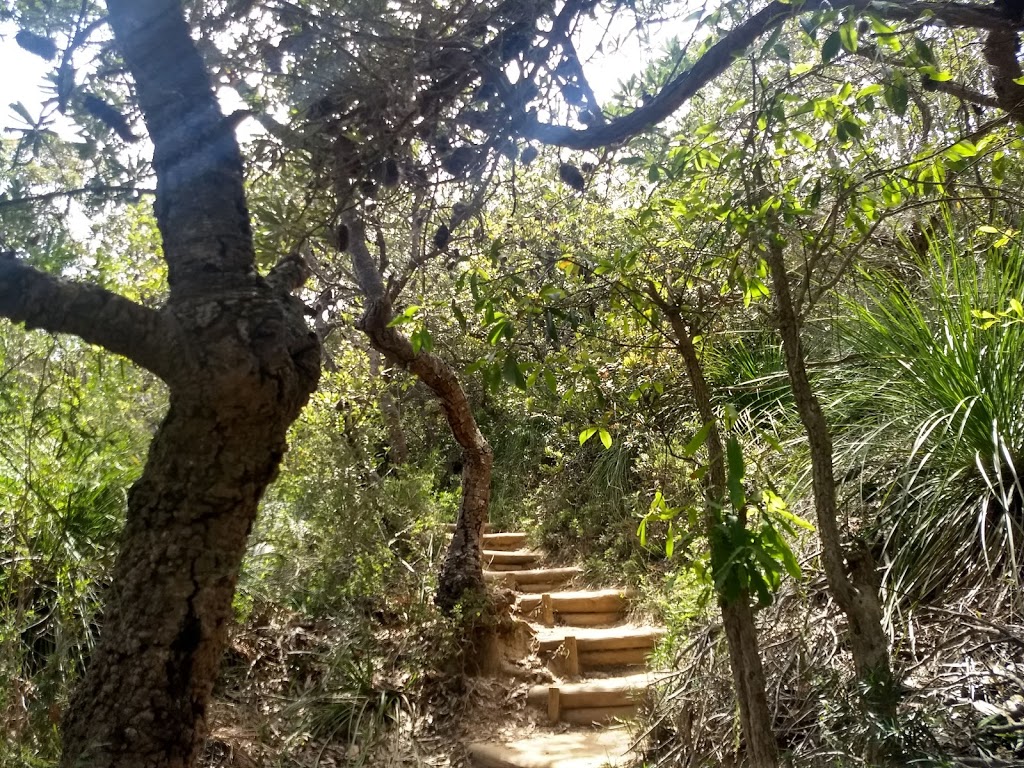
(857, 597)
(239, 362)
(1001, 49)
(462, 572)
(737, 615)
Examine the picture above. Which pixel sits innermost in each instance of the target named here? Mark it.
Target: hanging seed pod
(42, 47)
(390, 174)
(529, 155)
(442, 236)
(571, 175)
(341, 238)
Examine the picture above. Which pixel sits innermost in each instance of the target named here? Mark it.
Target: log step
(504, 541)
(591, 702)
(509, 557)
(599, 619)
(526, 580)
(603, 601)
(598, 640)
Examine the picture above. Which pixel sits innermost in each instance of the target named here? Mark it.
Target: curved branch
(94, 314)
(735, 43)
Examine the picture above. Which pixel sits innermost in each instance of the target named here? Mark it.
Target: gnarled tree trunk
(239, 362)
(462, 572)
(855, 589)
(737, 614)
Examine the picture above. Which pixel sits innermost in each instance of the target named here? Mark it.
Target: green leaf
(421, 339)
(698, 439)
(512, 373)
(737, 470)
(587, 433)
(804, 138)
(606, 438)
(924, 51)
(848, 35)
(495, 334)
(831, 47)
(549, 380)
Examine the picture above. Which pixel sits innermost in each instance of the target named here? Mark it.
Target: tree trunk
(239, 362)
(737, 615)
(144, 696)
(857, 597)
(462, 572)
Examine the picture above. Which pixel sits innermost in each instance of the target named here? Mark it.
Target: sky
(23, 80)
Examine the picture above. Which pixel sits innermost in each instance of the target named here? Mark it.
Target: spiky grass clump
(940, 417)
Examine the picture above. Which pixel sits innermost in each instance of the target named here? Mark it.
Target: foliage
(935, 415)
(73, 425)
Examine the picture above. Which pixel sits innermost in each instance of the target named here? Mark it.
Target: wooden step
(590, 619)
(603, 601)
(606, 639)
(593, 701)
(529, 579)
(570, 651)
(520, 557)
(504, 541)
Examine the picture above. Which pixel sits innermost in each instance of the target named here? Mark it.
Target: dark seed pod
(588, 167)
(442, 236)
(41, 46)
(341, 237)
(571, 175)
(390, 174)
(458, 161)
(529, 155)
(368, 188)
(109, 116)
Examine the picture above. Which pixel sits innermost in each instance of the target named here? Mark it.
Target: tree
(239, 362)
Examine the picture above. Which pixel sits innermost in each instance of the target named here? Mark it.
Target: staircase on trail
(598, 659)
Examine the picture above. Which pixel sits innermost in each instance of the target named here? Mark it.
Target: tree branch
(46, 197)
(722, 54)
(200, 205)
(96, 315)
